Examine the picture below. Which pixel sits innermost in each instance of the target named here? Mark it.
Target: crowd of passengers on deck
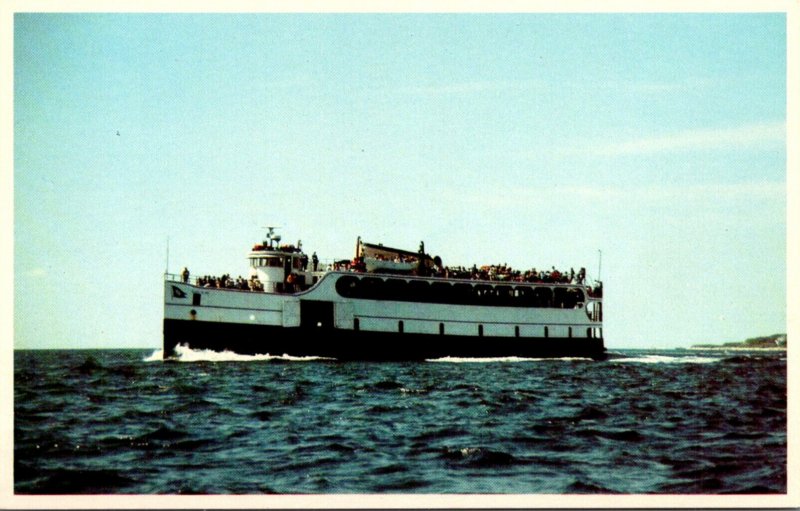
(505, 273)
(501, 272)
(226, 282)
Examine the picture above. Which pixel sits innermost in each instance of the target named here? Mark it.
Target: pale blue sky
(529, 139)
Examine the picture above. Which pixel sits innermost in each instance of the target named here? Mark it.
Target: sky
(648, 148)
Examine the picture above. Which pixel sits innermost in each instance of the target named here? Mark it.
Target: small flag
(178, 292)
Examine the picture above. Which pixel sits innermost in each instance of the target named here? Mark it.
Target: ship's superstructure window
(418, 288)
(480, 330)
(269, 262)
(516, 331)
(356, 324)
(441, 328)
(346, 286)
(400, 326)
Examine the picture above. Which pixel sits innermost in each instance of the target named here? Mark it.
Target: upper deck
(287, 270)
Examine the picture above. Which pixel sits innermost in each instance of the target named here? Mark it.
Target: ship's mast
(271, 236)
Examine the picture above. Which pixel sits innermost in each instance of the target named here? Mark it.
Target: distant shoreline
(774, 342)
(736, 348)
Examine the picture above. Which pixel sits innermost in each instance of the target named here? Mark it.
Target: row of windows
(275, 262)
(459, 293)
(401, 329)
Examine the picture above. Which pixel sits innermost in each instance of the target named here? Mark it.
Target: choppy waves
(664, 359)
(641, 422)
(489, 360)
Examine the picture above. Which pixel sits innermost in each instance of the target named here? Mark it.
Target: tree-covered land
(767, 341)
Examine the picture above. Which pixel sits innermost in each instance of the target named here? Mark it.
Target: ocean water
(665, 422)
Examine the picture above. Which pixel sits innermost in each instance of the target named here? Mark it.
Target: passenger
(314, 261)
(185, 274)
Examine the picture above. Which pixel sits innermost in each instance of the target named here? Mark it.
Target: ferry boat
(384, 304)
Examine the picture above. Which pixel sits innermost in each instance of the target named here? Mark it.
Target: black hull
(360, 345)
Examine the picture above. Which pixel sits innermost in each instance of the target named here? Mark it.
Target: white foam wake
(185, 354)
(460, 360)
(663, 359)
(156, 356)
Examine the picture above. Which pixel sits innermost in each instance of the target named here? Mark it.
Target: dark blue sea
(666, 422)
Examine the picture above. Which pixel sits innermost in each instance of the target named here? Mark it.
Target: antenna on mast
(166, 268)
(599, 263)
